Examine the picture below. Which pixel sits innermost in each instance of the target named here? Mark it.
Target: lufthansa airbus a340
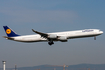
(51, 37)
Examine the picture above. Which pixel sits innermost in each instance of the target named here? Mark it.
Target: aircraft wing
(40, 33)
(49, 37)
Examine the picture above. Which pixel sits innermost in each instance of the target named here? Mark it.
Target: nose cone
(101, 32)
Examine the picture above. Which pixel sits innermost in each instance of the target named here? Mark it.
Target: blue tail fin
(10, 32)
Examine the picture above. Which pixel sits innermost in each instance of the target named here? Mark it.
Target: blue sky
(52, 16)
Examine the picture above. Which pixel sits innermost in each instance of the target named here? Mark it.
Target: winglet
(10, 32)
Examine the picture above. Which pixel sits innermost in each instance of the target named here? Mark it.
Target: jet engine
(52, 36)
(62, 38)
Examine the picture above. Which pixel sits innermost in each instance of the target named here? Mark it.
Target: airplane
(51, 37)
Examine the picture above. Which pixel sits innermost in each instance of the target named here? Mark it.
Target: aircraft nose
(101, 32)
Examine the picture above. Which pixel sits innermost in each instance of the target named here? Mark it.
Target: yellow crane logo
(8, 31)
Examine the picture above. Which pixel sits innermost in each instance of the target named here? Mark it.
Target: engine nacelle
(53, 36)
(63, 39)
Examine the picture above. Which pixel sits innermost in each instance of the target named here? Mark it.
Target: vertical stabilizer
(10, 32)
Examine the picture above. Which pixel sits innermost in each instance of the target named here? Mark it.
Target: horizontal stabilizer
(8, 38)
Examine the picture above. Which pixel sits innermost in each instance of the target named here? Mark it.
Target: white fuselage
(68, 34)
